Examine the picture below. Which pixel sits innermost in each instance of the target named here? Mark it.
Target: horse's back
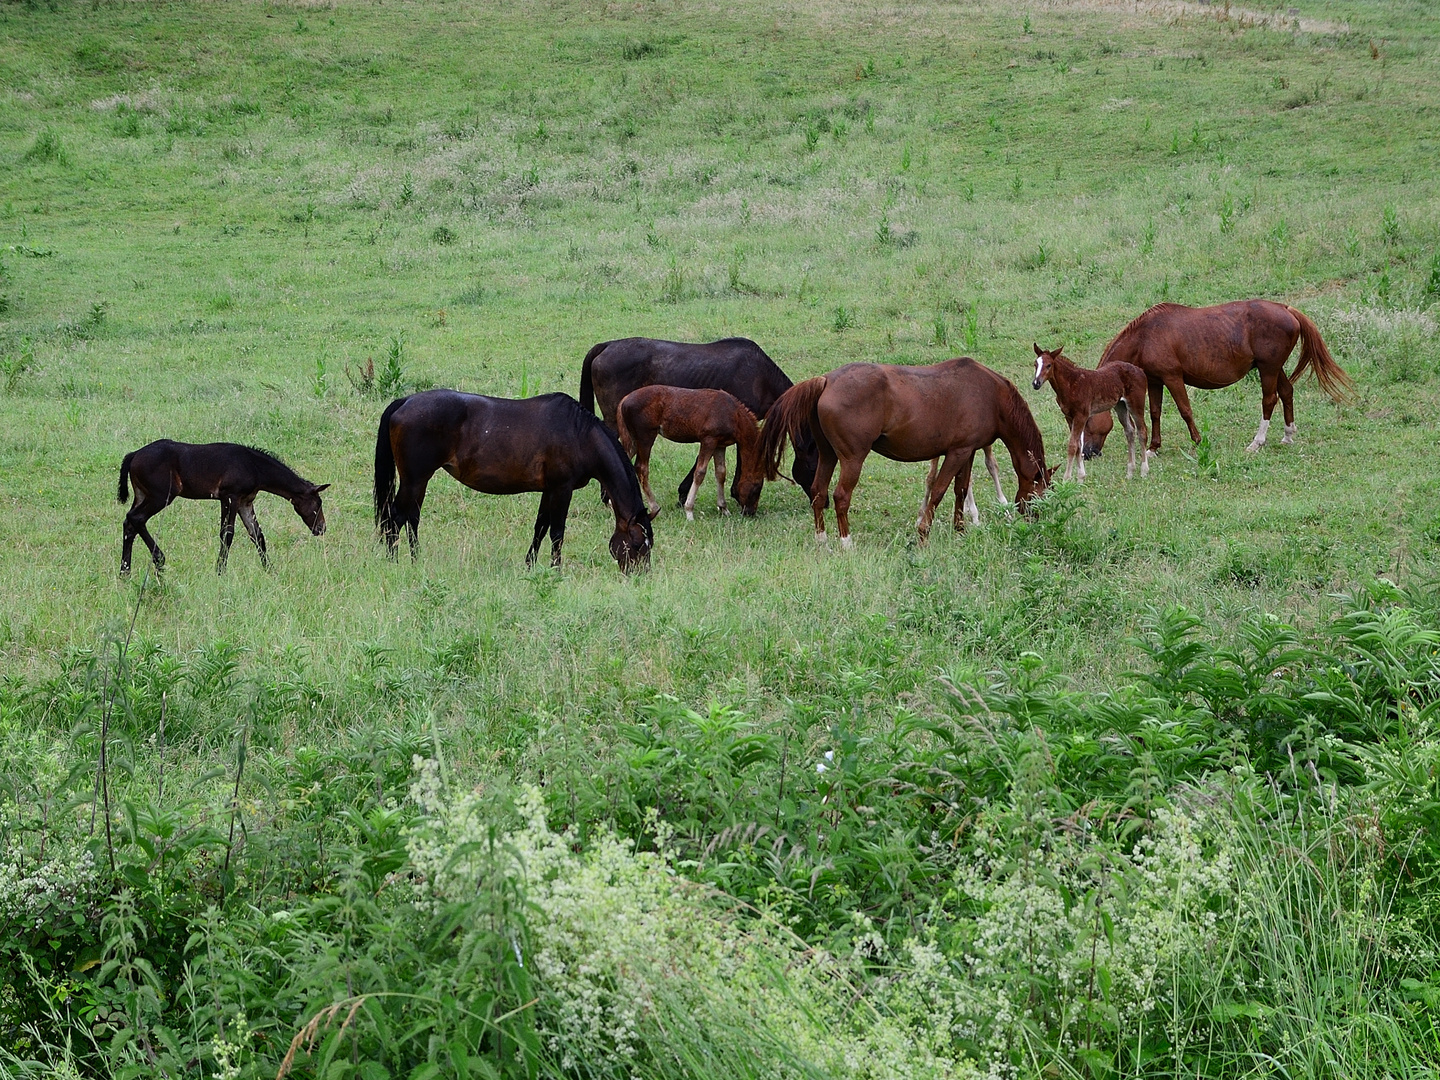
(736, 365)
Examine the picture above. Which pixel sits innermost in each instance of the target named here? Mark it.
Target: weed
(812, 137)
(884, 235)
(1390, 224)
(905, 159)
(46, 148)
(972, 326)
(442, 235)
(673, 285)
(1227, 213)
(320, 379)
(1147, 238)
(1016, 186)
(942, 332)
(1025, 27)
(843, 319)
(15, 365)
(407, 190)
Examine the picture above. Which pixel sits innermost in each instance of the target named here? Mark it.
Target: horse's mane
(1132, 326)
(1022, 422)
(271, 457)
(587, 422)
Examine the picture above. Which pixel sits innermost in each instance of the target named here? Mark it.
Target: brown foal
(1082, 393)
(712, 418)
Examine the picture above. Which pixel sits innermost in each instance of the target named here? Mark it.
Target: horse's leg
(820, 488)
(643, 448)
(845, 487)
(994, 475)
(227, 533)
(135, 520)
(1287, 399)
(559, 511)
(701, 463)
(408, 501)
(1155, 388)
(688, 483)
(949, 470)
(1269, 394)
(1127, 421)
(925, 495)
(1182, 402)
(1072, 450)
(963, 481)
(246, 508)
(719, 461)
(542, 526)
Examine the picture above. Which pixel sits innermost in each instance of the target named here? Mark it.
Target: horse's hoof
(822, 539)
(847, 542)
(689, 515)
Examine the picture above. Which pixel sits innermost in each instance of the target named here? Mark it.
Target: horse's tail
(587, 382)
(627, 440)
(385, 464)
(124, 491)
(1313, 353)
(790, 417)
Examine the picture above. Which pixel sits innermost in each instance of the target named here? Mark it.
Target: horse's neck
(1026, 452)
(279, 479)
(611, 472)
(1067, 379)
(747, 442)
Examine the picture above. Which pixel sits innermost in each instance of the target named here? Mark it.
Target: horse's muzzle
(1035, 384)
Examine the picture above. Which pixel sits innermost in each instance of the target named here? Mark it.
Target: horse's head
(1032, 487)
(632, 540)
(307, 505)
(746, 491)
(807, 459)
(1045, 363)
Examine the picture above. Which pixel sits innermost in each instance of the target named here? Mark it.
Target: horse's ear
(1058, 350)
(321, 488)
(656, 513)
(1038, 351)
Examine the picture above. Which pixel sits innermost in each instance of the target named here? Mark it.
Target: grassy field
(215, 218)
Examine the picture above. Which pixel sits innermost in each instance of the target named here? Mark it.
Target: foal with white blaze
(1081, 393)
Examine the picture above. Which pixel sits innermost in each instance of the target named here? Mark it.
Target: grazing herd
(711, 394)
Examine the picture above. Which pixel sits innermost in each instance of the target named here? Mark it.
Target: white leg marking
(695, 486)
(719, 461)
(1259, 439)
(1145, 463)
(821, 538)
(1289, 435)
(847, 542)
(995, 475)
(972, 512)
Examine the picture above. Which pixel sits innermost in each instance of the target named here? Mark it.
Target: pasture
(1022, 801)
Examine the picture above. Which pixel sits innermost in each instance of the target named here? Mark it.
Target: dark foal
(712, 418)
(1082, 393)
(165, 471)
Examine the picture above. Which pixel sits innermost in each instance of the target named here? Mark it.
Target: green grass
(215, 218)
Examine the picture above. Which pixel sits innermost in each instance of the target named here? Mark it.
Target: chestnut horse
(950, 409)
(1082, 393)
(712, 418)
(163, 471)
(738, 366)
(1211, 347)
(503, 447)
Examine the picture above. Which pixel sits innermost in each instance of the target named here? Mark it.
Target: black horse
(164, 471)
(738, 366)
(503, 447)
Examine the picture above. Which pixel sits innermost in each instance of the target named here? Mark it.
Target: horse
(712, 418)
(163, 471)
(1082, 393)
(1216, 346)
(949, 410)
(503, 447)
(613, 369)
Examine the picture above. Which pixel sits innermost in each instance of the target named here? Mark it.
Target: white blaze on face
(1039, 363)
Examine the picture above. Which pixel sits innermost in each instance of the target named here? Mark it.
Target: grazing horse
(950, 410)
(712, 418)
(1211, 347)
(164, 471)
(738, 366)
(1083, 393)
(503, 447)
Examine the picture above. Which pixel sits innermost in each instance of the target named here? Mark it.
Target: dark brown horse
(1211, 347)
(950, 409)
(503, 447)
(613, 369)
(165, 471)
(1082, 393)
(712, 418)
